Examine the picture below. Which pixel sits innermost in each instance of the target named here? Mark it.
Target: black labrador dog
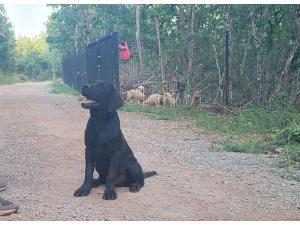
(106, 148)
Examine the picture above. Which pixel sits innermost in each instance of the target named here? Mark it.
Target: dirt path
(41, 147)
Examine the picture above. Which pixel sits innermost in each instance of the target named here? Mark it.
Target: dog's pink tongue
(88, 101)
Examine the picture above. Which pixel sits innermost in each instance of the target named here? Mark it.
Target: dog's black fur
(106, 148)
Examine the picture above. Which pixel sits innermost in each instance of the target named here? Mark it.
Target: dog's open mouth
(87, 103)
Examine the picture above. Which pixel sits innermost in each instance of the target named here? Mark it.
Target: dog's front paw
(135, 187)
(110, 195)
(84, 190)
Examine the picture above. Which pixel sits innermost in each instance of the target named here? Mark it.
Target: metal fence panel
(99, 60)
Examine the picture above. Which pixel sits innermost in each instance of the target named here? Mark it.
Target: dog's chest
(99, 137)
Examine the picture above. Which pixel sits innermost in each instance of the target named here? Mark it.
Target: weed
(12, 79)
(58, 87)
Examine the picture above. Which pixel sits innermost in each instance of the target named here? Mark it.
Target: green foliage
(12, 79)
(72, 26)
(246, 121)
(292, 153)
(290, 134)
(7, 44)
(58, 87)
(35, 60)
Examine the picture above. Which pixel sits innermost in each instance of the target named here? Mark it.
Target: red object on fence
(124, 51)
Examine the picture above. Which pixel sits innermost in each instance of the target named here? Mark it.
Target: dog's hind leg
(136, 176)
(102, 176)
(97, 182)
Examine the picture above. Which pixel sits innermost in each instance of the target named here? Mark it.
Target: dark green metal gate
(99, 60)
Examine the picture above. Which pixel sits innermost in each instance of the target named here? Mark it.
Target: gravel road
(42, 163)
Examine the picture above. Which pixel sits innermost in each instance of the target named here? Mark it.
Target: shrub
(290, 134)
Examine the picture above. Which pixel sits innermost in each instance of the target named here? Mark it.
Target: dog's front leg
(85, 188)
(110, 192)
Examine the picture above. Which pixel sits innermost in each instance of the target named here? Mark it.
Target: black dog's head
(101, 96)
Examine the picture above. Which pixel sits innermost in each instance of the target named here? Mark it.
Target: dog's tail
(149, 174)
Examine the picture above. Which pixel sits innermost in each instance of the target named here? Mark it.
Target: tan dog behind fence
(141, 89)
(196, 101)
(168, 99)
(135, 96)
(154, 100)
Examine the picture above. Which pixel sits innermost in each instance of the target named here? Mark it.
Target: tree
(257, 41)
(229, 29)
(138, 36)
(191, 46)
(7, 44)
(34, 59)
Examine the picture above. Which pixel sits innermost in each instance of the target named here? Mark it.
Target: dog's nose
(85, 86)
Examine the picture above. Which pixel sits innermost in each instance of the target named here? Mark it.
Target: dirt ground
(42, 163)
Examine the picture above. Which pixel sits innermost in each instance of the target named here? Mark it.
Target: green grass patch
(59, 87)
(290, 161)
(289, 134)
(159, 113)
(257, 121)
(292, 154)
(250, 146)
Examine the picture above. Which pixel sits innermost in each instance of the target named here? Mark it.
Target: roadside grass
(248, 146)
(59, 87)
(159, 113)
(12, 79)
(254, 131)
(260, 131)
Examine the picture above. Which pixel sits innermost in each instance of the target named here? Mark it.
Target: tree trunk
(244, 57)
(257, 42)
(230, 64)
(138, 36)
(87, 24)
(220, 78)
(76, 35)
(159, 49)
(191, 47)
(53, 71)
(182, 45)
(76, 44)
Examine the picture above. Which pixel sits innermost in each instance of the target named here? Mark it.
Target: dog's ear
(114, 101)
